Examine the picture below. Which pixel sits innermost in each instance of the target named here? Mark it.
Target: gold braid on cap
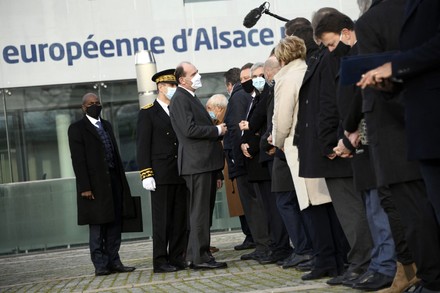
(164, 78)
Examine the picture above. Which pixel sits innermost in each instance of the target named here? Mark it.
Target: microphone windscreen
(252, 17)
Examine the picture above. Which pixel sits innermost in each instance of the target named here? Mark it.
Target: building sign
(74, 41)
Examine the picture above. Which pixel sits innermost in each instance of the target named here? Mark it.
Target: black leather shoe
(164, 268)
(102, 272)
(320, 273)
(254, 255)
(374, 282)
(121, 269)
(306, 266)
(361, 279)
(212, 264)
(350, 278)
(295, 259)
(335, 280)
(180, 265)
(245, 245)
(273, 257)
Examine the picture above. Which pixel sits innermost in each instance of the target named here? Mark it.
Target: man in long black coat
(417, 66)
(103, 192)
(157, 161)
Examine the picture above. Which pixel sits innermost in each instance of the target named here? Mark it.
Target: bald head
(271, 67)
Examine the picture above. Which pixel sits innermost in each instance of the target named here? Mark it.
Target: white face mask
(196, 81)
(258, 83)
(170, 92)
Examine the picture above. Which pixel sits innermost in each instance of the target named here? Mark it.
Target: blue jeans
(383, 255)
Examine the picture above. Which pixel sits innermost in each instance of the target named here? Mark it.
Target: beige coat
(310, 191)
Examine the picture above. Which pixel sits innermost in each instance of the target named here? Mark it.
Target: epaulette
(147, 106)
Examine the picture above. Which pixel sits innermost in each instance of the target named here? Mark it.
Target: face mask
(212, 115)
(94, 111)
(248, 86)
(341, 49)
(196, 81)
(258, 83)
(170, 92)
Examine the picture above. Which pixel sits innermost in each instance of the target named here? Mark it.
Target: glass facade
(34, 152)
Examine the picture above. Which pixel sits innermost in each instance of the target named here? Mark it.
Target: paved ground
(71, 271)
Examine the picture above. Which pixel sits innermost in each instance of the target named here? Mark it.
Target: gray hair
(364, 5)
(218, 100)
(255, 66)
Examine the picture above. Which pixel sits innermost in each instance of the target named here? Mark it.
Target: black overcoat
(377, 31)
(92, 173)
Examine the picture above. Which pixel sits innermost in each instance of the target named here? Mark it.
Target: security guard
(157, 161)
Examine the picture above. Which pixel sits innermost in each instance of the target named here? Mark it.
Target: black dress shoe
(306, 266)
(317, 273)
(245, 245)
(254, 255)
(374, 282)
(121, 269)
(335, 280)
(102, 272)
(212, 264)
(295, 259)
(164, 268)
(361, 279)
(180, 265)
(273, 257)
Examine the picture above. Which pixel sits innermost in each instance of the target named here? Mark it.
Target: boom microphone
(254, 15)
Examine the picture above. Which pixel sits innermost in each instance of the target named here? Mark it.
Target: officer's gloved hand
(149, 184)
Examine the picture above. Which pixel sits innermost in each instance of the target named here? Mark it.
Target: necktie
(105, 138)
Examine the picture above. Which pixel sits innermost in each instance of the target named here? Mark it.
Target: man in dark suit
(417, 66)
(157, 161)
(103, 193)
(200, 157)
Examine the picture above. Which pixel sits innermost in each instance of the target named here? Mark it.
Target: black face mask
(94, 111)
(341, 49)
(247, 86)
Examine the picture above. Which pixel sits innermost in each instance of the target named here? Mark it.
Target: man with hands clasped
(157, 161)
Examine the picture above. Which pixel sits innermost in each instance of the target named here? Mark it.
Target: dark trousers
(255, 213)
(105, 239)
(170, 230)
(245, 228)
(330, 246)
(288, 207)
(350, 209)
(199, 211)
(422, 230)
(387, 202)
(280, 242)
(431, 175)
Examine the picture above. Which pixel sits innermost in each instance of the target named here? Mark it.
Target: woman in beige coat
(312, 193)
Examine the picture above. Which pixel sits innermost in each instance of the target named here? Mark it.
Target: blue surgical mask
(212, 115)
(258, 83)
(170, 92)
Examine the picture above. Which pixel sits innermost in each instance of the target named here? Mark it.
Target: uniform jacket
(236, 111)
(157, 146)
(200, 149)
(377, 31)
(91, 171)
(418, 65)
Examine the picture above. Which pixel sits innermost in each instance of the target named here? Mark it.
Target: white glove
(149, 184)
